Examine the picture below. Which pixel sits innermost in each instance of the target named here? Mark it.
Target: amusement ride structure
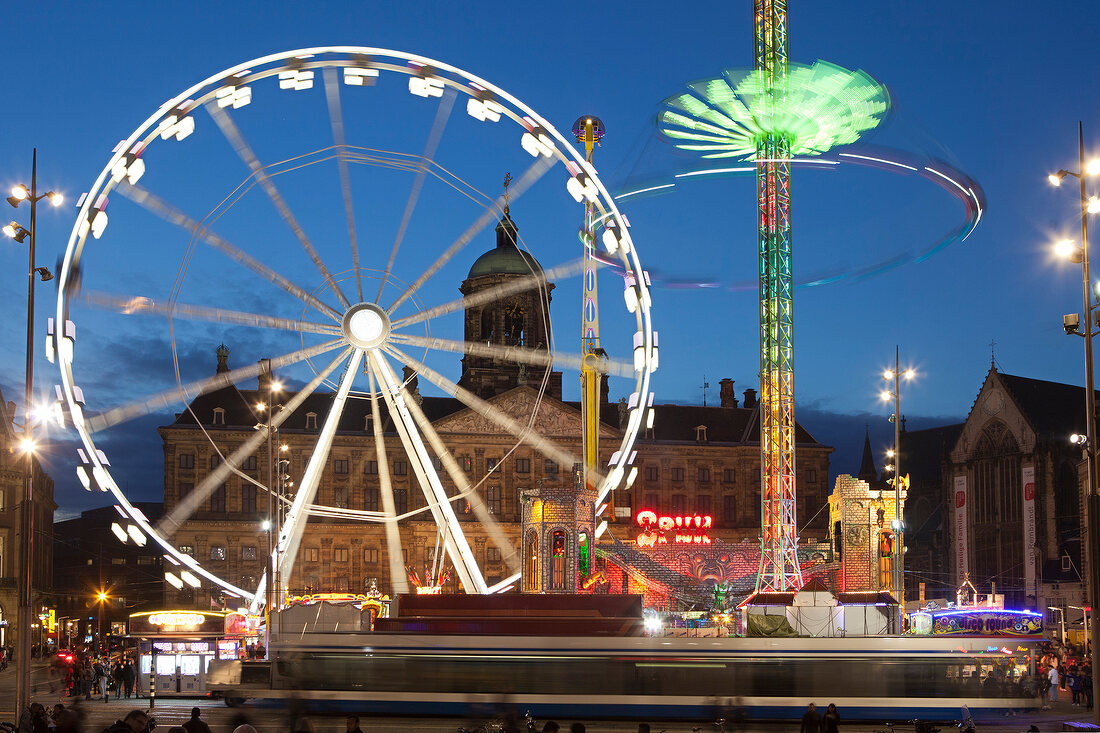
(347, 339)
(768, 116)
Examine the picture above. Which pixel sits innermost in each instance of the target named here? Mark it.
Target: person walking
(195, 724)
(811, 720)
(102, 672)
(128, 676)
(116, 678)
(352, 724)
(830, 721)
(1055, 679)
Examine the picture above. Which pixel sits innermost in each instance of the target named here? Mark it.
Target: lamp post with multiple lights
(1073, 252)
(20, 194)
(898, 525)
(268, 525)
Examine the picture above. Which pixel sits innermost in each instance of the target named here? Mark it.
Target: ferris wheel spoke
(139, 304)
(187, 506)
(290, 537)
(336, 116)
(244, 151)
(513, 354)
(458, 478)
(170, 397)
(458, 549)
(524, 433)
(393, 535)
(531, 176)
(156, 205)
(492, 294)
(442, 114)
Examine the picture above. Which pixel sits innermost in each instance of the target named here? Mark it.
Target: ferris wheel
(312, 201)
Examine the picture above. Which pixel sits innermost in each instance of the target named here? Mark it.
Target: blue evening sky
(995, 88)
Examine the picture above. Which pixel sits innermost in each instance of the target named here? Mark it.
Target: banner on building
(962, 558)
(1029, 530)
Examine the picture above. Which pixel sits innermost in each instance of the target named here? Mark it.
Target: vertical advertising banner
(962, 558)
(1029, 529)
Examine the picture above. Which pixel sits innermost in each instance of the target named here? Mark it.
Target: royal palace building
(695, 460)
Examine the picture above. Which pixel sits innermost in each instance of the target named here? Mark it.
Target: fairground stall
(176, 647)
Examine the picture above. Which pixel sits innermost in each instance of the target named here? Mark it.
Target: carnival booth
(176, 647)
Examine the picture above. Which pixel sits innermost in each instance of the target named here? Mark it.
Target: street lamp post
(19, 194)
(898, 525)
(1071, 251)
(1061, 622)
(268, 524)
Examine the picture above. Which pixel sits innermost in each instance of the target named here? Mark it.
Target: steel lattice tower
(779, 569)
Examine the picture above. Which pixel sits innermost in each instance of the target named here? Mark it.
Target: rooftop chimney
(726, 393)
(750, 398)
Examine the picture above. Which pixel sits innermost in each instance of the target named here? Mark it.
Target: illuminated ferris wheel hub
(366, 326)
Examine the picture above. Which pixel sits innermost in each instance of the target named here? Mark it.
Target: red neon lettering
(646, 517)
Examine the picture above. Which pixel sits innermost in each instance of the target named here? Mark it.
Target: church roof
(506, 258)
(1054, 410)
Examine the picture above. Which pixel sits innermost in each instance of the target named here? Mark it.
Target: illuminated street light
(26, 532)
(1072, 325)
(897, 375)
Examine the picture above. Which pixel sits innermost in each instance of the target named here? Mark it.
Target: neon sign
(176, 619)
(685, 529)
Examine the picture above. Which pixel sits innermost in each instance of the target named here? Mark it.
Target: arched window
(558, 558)
(487, 325)
(514, 325)
(531, 571)
(886, 559)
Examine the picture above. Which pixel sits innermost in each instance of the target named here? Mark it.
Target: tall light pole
(1074, 253)
(19, 194)
(268, 524)
(898, 525)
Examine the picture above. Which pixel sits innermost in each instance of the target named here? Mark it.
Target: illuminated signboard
(675, 530)
(178, 623)
(992, 622)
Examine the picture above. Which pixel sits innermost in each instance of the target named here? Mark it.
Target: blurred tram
(872, 678)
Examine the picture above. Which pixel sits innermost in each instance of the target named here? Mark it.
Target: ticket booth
(176, 648)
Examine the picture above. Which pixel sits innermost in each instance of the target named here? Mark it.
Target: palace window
(311, 421)
(370, 500)
(400, 501)
(219, 416)
(186, 487)
(523, 465)
(217, 552)
(187, 460)
(217, 500)
(492, 554)
(678, 474)
(679, 504)
(549, 466)
(248, 499)
(370, 468)
(703, 504)
(704, 475)
(492, 498)
(340, 466)
(249, 463)
(729, 509)
(729, 475)
(490, 464)
(652, 473)
(313, 554)
(340, 554)
(400, 468)
(340, 497)
(248, 552)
